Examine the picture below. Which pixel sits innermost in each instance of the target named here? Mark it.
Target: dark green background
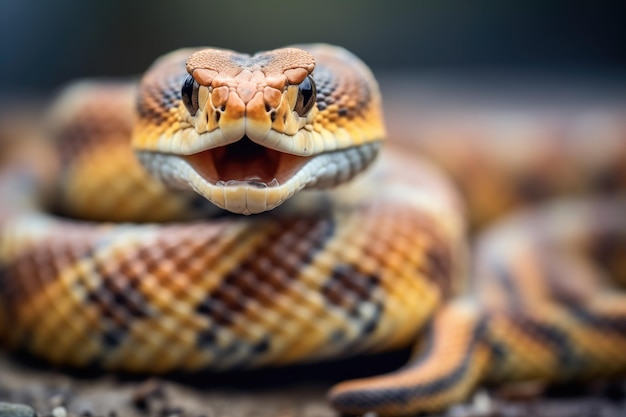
(44, 43)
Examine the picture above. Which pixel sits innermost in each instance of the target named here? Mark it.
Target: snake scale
(143, 261)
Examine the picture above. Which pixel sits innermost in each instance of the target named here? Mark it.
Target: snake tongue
(245, 162)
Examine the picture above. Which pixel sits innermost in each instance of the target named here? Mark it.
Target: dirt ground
(287, 392)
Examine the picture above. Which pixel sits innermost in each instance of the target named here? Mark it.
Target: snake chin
(245, 163)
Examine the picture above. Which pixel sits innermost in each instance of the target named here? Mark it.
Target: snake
(233, 211)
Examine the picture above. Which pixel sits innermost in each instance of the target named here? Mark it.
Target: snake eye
(189, 94)
(306, 96)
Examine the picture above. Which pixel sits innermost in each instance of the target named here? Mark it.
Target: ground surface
(293, 392)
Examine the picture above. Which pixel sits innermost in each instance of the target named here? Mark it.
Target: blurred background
(512, 95)
(44, 44)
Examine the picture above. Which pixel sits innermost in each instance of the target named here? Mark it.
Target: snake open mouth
(246, 162)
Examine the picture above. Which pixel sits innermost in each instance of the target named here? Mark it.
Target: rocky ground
(28, 389)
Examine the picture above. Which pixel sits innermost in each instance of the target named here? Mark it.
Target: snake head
(248, 132)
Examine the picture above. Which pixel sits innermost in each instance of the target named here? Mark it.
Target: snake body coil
(131, 275)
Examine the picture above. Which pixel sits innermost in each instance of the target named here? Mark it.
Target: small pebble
(57, 400)
(59, 412)
(458, 410)
(482, 404)
(15, 410)
(171, 412)
(146, 393)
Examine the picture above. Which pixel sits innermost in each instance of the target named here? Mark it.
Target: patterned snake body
(128, 274)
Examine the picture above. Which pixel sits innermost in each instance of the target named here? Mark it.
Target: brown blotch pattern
(268, 270)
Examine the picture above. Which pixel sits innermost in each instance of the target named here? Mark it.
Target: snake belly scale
(138, 265)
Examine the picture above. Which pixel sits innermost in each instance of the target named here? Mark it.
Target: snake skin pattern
(128, 269)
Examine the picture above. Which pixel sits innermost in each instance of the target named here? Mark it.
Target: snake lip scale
(143, 272)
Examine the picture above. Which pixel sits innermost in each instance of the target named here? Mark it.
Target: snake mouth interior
(247, 162)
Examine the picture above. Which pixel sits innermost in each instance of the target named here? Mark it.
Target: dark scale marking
(33, 270)
(498, 353)
(438, 267)
(348, 288)
(609, 250)
(370, 325)
(85, 133)
(615, 324)
(403, 395)
(155, 99)
(262, 346)
(438, 256)
(265, 272)
(559, 340)
(217, 310)
(347, 281)
(119, 303)
(323, 235)
(366, 97)
(506, 279)
(113, 337)
(207, 338)
(325, 87)
(337, 337)
(117, 298)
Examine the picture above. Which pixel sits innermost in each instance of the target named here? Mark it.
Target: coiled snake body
(134, 272)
